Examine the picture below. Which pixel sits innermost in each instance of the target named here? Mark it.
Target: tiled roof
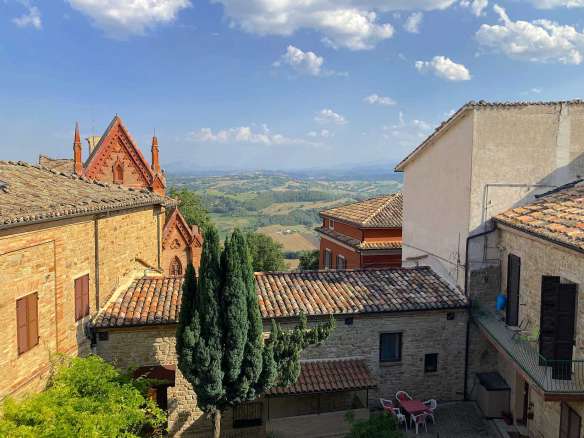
(148, 301)
(378, 212)
(32, 193)
(285, 294)
(328, 375)
(152, 300)
(478, 105)
(65, 165)
(558, 217)
(357, 244)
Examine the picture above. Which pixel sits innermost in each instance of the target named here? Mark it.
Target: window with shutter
(27, 326)
(81, 297)
(513, 278)
(328, 258)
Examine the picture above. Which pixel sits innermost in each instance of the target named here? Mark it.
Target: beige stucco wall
(46, 259)
(422, 332)
(436, 194)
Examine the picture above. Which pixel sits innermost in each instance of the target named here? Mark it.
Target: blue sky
(273, 84)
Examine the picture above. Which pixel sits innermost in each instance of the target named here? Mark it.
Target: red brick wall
(382, 261)
(347, 230)
(353, 258)
(382, 234)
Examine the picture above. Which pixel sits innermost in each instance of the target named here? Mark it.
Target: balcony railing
(553, 376)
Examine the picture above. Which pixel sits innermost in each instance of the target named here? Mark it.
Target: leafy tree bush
(266, 253)
(86, 397)
(191, 206)
(377, 426)
(220, 345)
(309, 260)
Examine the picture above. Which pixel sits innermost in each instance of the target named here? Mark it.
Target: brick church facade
(115, 158)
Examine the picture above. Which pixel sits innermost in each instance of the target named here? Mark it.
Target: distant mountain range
(346, 172)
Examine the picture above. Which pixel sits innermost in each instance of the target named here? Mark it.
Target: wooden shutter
(85, 295)
(32, 302)
(513, 275)
(78, 299)
(548, 316)
(565, 331)
(21, 325)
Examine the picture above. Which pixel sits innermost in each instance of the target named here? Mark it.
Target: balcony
(553, 377)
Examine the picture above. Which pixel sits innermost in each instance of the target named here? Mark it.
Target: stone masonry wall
(47, 258)
(428, 332)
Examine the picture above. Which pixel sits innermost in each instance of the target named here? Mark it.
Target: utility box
(493, 394)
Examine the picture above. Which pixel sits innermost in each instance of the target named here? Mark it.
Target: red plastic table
(413, 407)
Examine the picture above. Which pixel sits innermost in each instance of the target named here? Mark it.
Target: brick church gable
(117, 159)
(176, 221)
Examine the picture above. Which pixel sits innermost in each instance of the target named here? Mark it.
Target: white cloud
(323, 133)
(550, 4)
(537, 41)
(352, 24)
(407, 133)
(245, 134)
(308, 63)
(123, 17)
(476, 6)
(413, 22)
(375, 99)
(327, 115)
(444, 68)
(31, 18)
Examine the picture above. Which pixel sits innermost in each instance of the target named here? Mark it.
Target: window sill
(397, 363)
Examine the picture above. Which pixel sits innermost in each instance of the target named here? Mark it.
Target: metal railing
(554, 376)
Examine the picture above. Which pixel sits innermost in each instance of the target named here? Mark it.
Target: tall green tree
(309, 260)
(221, 349)
(191, 206)
(266, 253)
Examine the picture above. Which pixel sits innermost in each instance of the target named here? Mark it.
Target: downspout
(158, 238)
(96, 246)
(467, 294)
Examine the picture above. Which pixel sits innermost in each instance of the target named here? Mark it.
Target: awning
(328, 375)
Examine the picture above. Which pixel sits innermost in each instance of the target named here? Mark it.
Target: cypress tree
(220, 345)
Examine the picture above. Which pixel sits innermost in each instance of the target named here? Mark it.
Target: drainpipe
(467, 294)
(158, 237)
(96, 245)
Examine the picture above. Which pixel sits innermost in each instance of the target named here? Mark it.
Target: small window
(570, 422)
(341, 262)
(431, 363)
(390, 347)
(81, 297)
(27, 322)
(328, 258)
(331, 224)
(247, 415)
(176, 268)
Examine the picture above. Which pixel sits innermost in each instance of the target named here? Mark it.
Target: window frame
(30, 303)
(427, 368)
(82, 307)
(341, 257)
(331, 224)
(399, 349)
(328, 256)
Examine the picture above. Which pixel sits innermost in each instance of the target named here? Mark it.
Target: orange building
(364, 234)
(115, 158)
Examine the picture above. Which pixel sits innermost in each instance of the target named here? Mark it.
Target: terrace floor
(458, 420)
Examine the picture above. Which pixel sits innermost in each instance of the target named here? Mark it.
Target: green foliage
(191, 207)
(86, 397)
(377, 426)
(309, 260)
(221, 350)
(266, 253)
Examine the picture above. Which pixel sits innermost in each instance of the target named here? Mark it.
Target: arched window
(176, 267)
(118, 173)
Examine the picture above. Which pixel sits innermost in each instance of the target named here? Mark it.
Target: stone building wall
(423, 332)
(46, 259)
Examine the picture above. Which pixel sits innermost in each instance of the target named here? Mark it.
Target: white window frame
(331, 224)
(328, 252)
(341, 257)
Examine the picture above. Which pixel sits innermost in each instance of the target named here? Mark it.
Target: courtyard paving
(457, 420)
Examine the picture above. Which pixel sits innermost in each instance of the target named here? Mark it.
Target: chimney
(78, 164)
(155, 162)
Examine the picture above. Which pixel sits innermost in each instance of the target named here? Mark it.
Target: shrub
(85, 397)
(377, 426)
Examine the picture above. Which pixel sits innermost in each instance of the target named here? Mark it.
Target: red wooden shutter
(78, 299)
(21, 325)
(85, 295)
(32, 302)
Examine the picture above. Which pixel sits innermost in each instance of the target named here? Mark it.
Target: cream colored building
(66, 245)
(483, 160)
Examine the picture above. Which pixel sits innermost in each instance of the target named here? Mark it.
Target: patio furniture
(401, 418)
(533, 336)
(413, 407)
(417, 420)
(402, 395)
(431, 405)
(388, 407)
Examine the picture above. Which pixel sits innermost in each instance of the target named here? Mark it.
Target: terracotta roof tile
(153, 300)
(558, 216)
(357, 244)
(33, 193)
(329, 375)
(378, 212)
